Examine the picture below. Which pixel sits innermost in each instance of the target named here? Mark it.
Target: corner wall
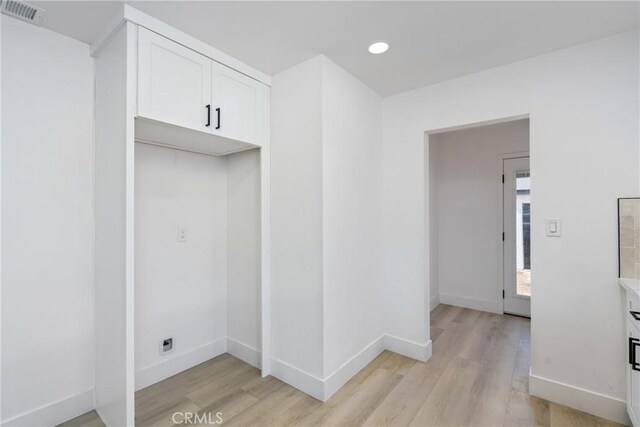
(296, 224)
(244, 333)
(352, 216)
(583, 106)
(334, 205)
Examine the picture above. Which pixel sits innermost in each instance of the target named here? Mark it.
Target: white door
(174, 83)
(238, 105)
(517, 240)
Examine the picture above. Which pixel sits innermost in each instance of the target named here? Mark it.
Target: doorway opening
(479, 227)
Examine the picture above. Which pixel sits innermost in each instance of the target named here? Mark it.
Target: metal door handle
(633, 344)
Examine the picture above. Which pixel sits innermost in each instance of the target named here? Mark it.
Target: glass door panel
(517, 236)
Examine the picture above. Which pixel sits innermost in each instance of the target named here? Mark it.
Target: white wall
(180, 287)
(47, 222)
(243, 255)
(296, 218)
(468, 234)
(431, 194)
(328, 315)
(583, 105)
(352, 215)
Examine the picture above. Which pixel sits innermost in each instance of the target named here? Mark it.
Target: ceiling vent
(22, 10)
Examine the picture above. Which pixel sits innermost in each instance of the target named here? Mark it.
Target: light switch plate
(552, 227)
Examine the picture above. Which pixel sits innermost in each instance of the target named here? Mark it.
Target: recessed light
(378, 47)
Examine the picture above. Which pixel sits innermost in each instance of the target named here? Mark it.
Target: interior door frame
(500, 247)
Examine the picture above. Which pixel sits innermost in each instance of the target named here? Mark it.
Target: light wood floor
(478, 375)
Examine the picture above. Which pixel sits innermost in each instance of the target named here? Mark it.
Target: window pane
(523, 233)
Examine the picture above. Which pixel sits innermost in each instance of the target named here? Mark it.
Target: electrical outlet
(183, 234)
(166, 346)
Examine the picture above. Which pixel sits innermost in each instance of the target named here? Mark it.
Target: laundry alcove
(197, 259)
(181, 210)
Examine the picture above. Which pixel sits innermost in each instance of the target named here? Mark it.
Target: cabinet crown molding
(126, 13)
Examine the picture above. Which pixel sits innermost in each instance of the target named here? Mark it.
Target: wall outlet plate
(166, 346)
(183, 234)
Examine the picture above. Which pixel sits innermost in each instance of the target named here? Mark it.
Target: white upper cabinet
(239, 103)
(179, 86)
(174, 83)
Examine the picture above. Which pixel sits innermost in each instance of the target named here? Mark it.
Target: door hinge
(503, 294)
(503, 178)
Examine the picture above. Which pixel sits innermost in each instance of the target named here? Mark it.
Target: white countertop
(631, 285)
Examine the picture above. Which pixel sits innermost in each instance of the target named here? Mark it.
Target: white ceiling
(430, 41)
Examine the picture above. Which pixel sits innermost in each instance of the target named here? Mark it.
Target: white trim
(93, 229)
(411, 349)
(323, 389)
(473, 303)
(435, 301)
(298, 378)
(265, 242)
(56, 412)
(113, 27)
(179, 362)
(1, 224)
(129, 191)
(578, 398)
(244, 352)
(133, 15)
(478, 124)
(173, 147)
(349, 369)
(430, 245)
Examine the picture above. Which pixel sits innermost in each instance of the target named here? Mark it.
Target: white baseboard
(349, 369)
(414, 350)
(473, 303)
(323, 389)
(435, 300)
(583, 400)
(176, 363)
(298, 378)
(244, 352)
(54, 413)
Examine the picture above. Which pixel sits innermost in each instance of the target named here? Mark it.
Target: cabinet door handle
(633, 344)
(635, 314)
(218, 111)
(208, 115)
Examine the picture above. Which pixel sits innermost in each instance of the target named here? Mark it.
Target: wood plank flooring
(477, 376)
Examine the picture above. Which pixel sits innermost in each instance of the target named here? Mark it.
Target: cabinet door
(174, 82)
(633, 380)
(239, 105)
